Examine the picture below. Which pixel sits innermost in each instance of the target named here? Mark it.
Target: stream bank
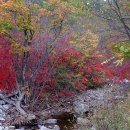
(72, 116)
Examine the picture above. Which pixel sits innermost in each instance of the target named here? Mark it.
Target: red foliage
(91, 72)
(7, 74)
(123, 72)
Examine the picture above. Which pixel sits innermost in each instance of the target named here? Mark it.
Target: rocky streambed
(69, 114)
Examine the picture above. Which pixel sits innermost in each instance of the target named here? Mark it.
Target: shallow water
(66, 121)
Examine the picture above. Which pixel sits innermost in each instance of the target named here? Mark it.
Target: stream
(82, 105)
(66, 121)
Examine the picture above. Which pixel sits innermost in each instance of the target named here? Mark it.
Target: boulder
(87, 101)
(55, 127)
(90, 100)
(82, 121)
(4, 128)
(21, 128)
(2, 118)
(2, 102)
(50, 121)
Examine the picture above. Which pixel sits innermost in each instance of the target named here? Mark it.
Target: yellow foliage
(18, 49)
(55, 21)
(15, 6)
(27, 91)
(119, 62)
(85, 43)
(18, 13)
(121, 51)
(53, 1)
(126, 5)
(26, 17)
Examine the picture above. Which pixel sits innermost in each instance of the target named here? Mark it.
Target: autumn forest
(52, 52)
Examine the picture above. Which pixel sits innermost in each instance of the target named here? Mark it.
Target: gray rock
(55, 127)
(22, 128)
(44, 128)
(31, 117)
(50, 121)
(6, 107)
(2, 108)
(93, 128)
(87, 101)
(4, 128)
(1, 111)
(2, 102)
(39, 126)
(2, 114)
(126, 81)
(82, 121)
(80, 108)
(11, 127)
(2, 118)
(92, 99)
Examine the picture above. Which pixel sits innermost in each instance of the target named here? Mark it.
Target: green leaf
(62, 69)
(51, 7)
(122, 48)
(5, 25)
